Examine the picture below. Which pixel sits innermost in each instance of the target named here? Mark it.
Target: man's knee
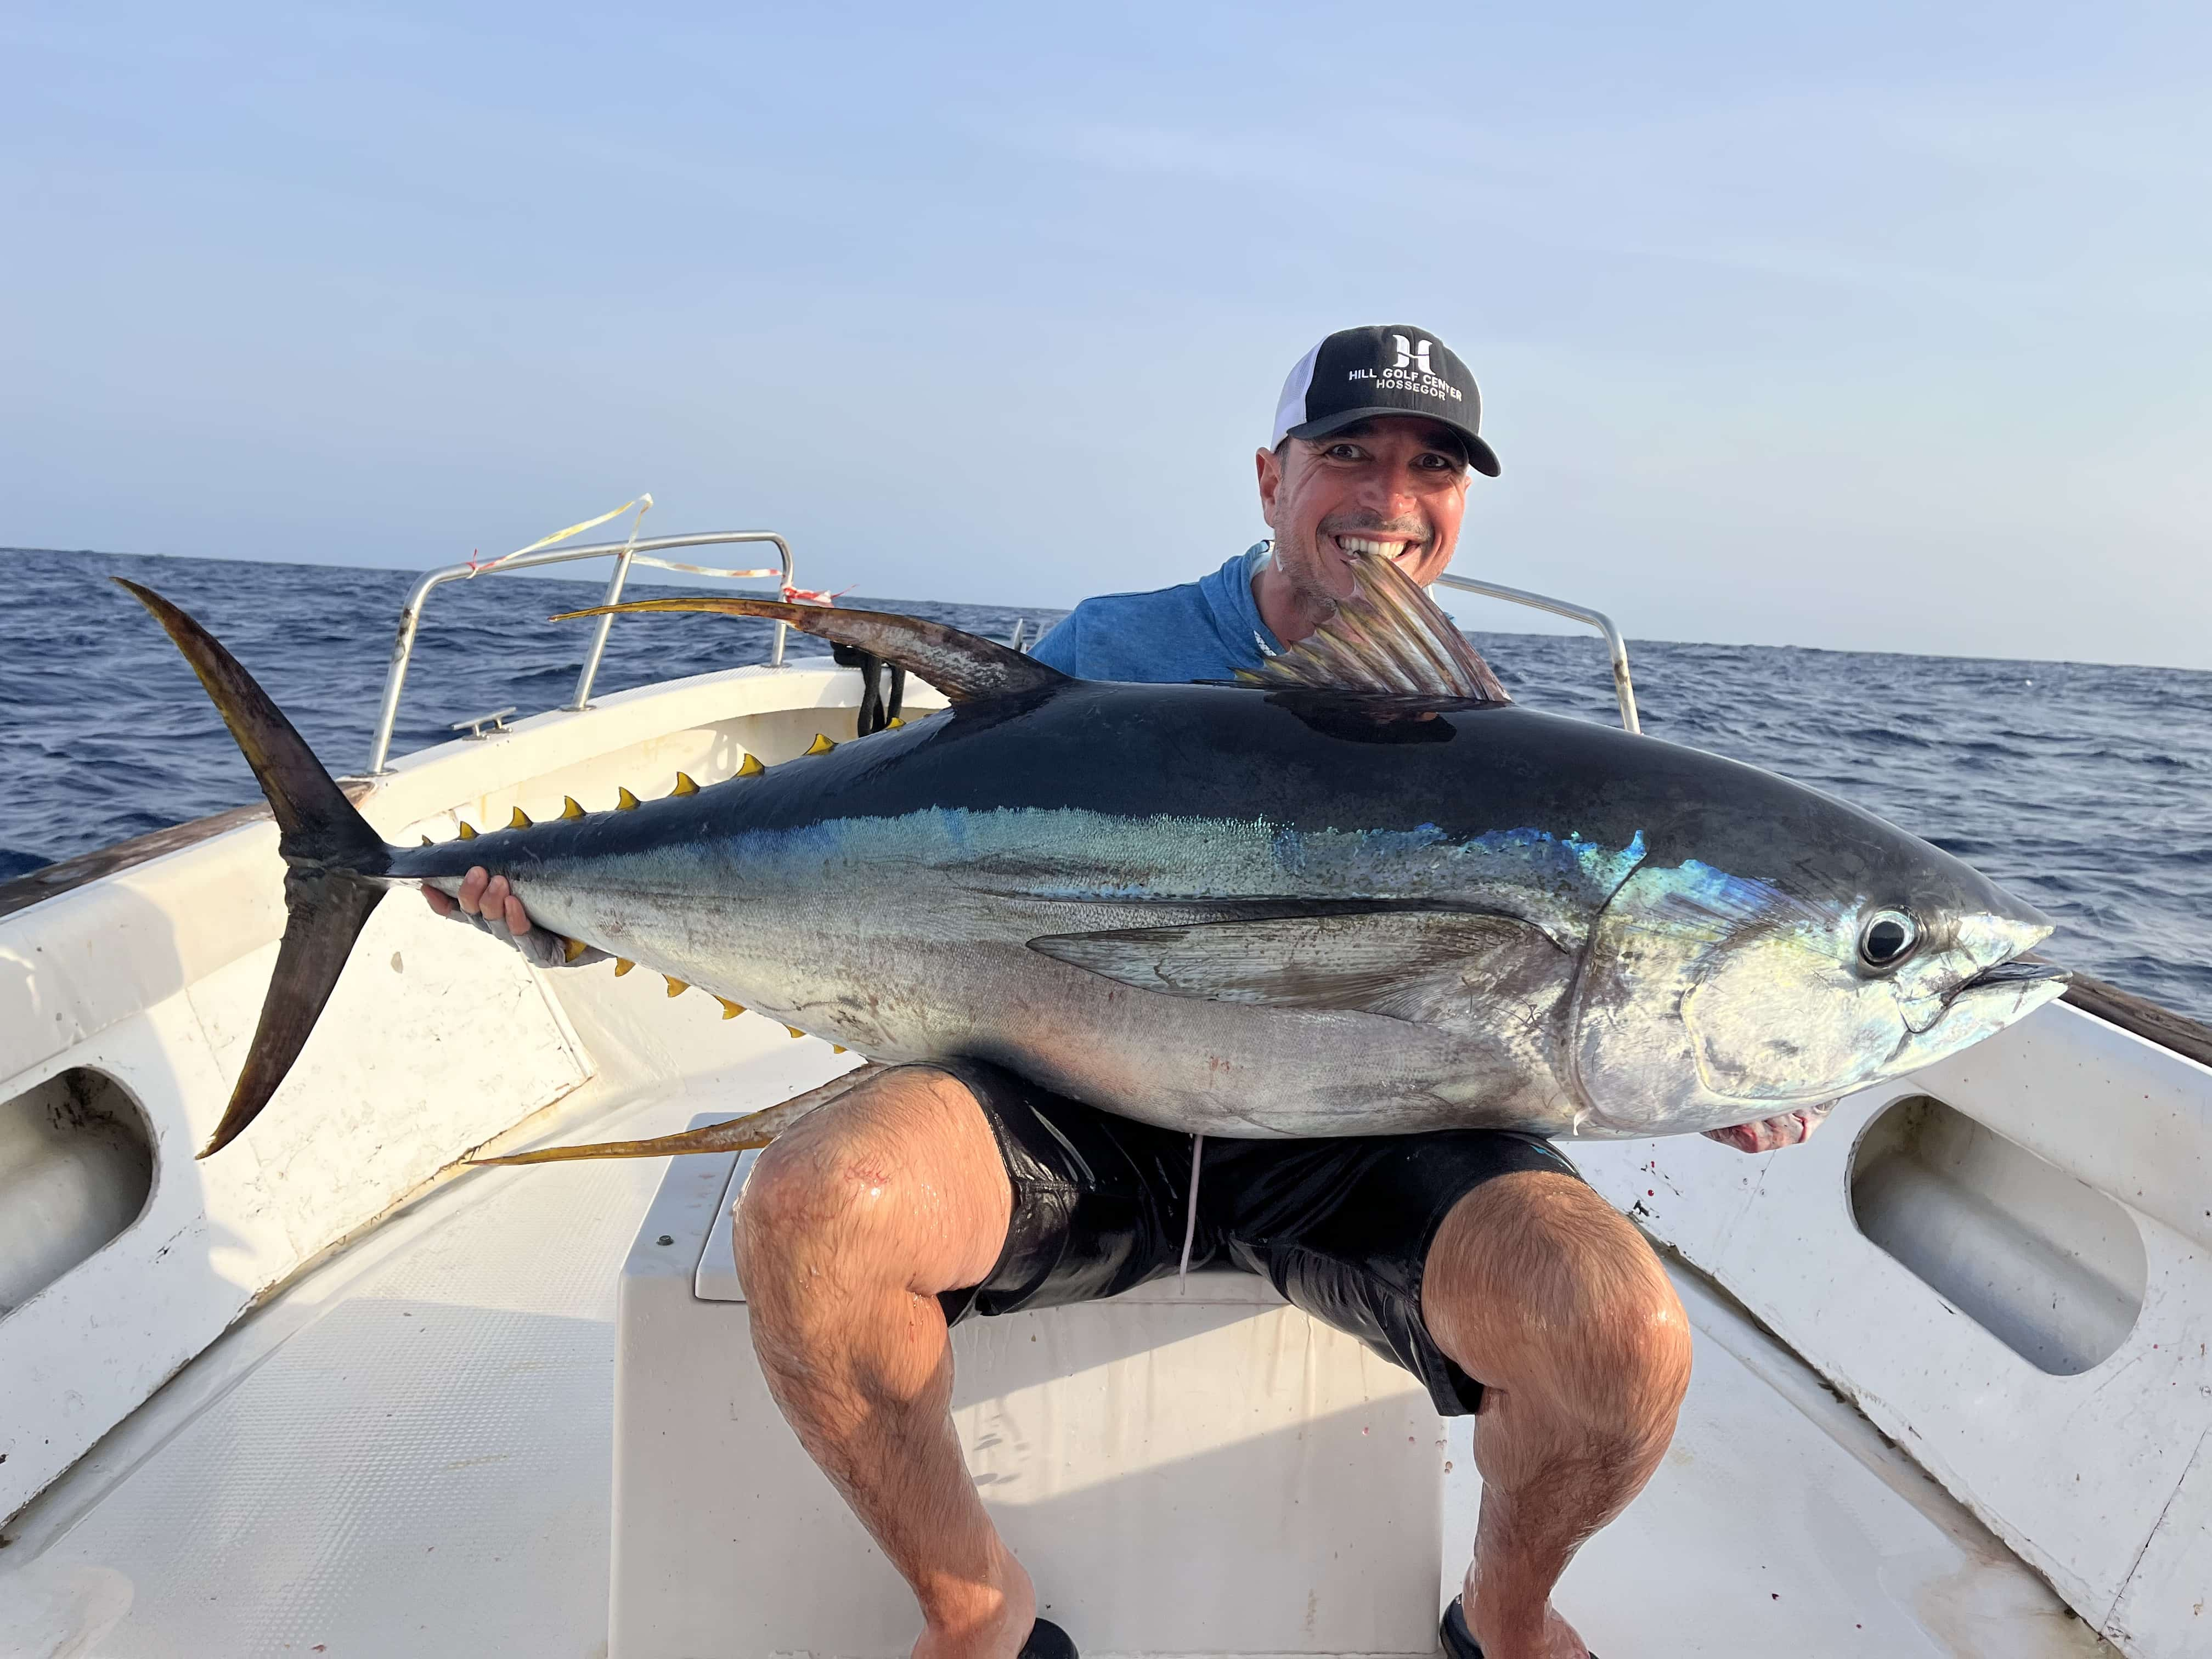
(898, 1181)
(795, 1198)
(1536, 1284)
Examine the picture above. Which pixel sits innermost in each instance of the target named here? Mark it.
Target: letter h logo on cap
(1377, 372)
(1411, 355)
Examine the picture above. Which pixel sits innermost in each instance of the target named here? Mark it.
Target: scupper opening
(2043, 1262)
(76, 1167)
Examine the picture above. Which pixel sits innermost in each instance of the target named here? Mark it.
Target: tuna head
(1709, 999)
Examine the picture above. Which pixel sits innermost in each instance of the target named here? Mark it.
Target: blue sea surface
(2086, 788)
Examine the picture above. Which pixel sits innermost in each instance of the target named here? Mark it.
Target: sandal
(1458, 1640)
(1048, 1641)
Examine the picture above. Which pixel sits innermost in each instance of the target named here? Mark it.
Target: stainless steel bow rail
(624, 554)
(1624, 690)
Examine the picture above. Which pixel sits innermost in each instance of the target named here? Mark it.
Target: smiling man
(1477, 1260)
(1373, 439)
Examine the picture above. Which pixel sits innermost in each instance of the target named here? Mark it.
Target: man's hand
(486, 897)
(488, 904)
(1771, 1133)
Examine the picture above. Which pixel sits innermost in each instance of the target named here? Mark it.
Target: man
(1478, 1260)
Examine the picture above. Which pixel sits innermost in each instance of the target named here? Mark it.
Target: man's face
(1393, 486)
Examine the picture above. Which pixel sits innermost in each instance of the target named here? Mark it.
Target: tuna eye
(1888, 936)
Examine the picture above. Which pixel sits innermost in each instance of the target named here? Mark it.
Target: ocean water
(2086, 788)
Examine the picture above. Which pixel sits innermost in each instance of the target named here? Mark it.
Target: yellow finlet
(729, 1010)
(821, 745)
(751, 766)
(684, 785)
(426, 840)
(893, 724)
(571, 807)
(467, 833)
(624, 801)
(677, 987)
(520, 821)
(836, 1048)
(623, 965)
(794, 1031)
(574, 948)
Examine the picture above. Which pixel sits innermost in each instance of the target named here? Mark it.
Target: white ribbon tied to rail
(642, 502)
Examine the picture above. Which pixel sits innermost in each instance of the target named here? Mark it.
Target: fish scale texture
(423, 1468)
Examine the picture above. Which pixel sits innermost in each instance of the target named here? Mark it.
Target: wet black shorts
(1341, 1227)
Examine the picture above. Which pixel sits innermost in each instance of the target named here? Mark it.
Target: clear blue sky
(1868, 326)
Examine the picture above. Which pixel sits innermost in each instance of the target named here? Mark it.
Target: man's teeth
(1361, 545)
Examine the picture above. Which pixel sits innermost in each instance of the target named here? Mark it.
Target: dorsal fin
(1389, 636)
(963, 666)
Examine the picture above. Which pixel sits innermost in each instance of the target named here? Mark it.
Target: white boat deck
(408, 1452)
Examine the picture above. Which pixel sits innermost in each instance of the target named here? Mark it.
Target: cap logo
(1411, 355)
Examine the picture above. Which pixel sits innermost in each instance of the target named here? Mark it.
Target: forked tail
(333, 859)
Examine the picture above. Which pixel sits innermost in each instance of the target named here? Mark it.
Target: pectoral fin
(1393, 961)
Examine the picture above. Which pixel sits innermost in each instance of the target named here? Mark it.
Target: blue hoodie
(1202, 630)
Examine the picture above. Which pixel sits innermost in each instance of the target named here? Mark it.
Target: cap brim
(1480, 455)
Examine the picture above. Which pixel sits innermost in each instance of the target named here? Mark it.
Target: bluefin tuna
(1367, 894)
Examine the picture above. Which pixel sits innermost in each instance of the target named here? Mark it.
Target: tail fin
(334, 856)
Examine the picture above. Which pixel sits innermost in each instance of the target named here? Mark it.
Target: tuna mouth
(2012, 976)
(2004, 991)
(1981, 1006)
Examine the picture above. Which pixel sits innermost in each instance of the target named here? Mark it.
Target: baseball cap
(1357, 374)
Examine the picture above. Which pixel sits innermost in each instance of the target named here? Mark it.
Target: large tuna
(1387, 901)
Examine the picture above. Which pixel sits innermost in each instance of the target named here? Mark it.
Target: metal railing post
(1624, 689)
(625, 554)
(403, 649)
(598, 645)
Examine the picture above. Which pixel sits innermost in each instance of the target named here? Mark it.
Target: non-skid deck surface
(408, 1454)
(1782, 1525)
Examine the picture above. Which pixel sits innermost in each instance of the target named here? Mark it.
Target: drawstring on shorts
(1190, 1217)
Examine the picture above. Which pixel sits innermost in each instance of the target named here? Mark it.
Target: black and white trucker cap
(1358, 374)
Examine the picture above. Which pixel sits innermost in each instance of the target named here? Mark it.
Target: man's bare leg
(853, 1221)
(1547, 1297)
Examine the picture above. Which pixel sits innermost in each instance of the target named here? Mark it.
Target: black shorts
(1342, 1227)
